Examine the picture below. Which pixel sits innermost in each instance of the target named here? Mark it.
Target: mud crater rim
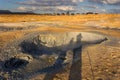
(52, 44)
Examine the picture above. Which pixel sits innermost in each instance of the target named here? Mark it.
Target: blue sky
(82, 6)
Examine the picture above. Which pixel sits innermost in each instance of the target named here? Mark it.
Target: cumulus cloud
(112, 1)
(71, 5)
(106, 1)
(57, 8)
(49, 2)
(91, 6)
(24, 8)
(77, 0)
(50, 5)
(64, 8)
(21, 8)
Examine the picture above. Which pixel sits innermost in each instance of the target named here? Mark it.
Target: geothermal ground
(77, 47)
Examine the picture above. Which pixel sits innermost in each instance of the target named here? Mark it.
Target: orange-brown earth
(105, 58)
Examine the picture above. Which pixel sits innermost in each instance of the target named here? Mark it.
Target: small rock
(114, 57)
(113, 72)
(24, 57)
(109, 64)
(107, 70)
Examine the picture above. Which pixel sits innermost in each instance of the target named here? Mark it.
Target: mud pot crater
(42, 52)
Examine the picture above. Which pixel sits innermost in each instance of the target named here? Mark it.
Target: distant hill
(5, 12)
(9, 12)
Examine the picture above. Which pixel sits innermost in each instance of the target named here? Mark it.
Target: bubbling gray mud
(46, 52)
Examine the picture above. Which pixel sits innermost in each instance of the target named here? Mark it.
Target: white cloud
(81, 0)
(65, 5)
(50, 5)
(47, 8)
(50, 2)
(64, 8)
(24, 8)
(21, 8)
(112, 1)
(106, 1)
(33, 8)
(74, 0)
(91, 6)
(77, 0)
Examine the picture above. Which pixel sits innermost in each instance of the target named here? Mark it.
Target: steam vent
(45, 52)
